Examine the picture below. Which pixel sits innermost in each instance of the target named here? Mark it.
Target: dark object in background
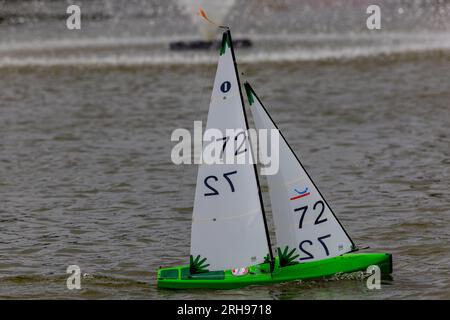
(207, 45)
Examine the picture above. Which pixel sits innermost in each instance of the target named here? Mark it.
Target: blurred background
(139, 31)
(86, 118)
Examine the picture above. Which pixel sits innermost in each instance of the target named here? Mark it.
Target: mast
(228, 34)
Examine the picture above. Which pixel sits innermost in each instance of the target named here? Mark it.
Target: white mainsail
(228, 227)
(303, 220)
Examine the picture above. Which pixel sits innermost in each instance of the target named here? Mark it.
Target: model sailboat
(230, 243)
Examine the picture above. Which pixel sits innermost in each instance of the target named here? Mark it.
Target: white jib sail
(303, 220)
(227, 227)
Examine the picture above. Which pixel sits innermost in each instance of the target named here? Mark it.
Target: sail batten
(231, 217)
(304, 221)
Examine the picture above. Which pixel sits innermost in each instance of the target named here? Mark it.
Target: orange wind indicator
(202, 13)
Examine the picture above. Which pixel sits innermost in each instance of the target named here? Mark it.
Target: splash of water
(131, 52)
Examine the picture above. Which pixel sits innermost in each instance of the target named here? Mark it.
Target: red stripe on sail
(300, 196)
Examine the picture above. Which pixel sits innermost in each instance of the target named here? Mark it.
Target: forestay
(227, 227)
(303, 220)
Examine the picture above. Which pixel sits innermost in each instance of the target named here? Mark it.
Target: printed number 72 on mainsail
(214, 191)
(239, 149)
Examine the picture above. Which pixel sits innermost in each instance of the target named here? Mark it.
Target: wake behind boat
(230, 242)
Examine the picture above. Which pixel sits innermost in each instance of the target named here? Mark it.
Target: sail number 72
(240, 149)
(214, 191)
(308, 254)
(319, 218)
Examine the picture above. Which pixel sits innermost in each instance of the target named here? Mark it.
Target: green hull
(179, 277)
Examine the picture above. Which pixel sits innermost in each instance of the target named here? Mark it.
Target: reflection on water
(85, 171)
